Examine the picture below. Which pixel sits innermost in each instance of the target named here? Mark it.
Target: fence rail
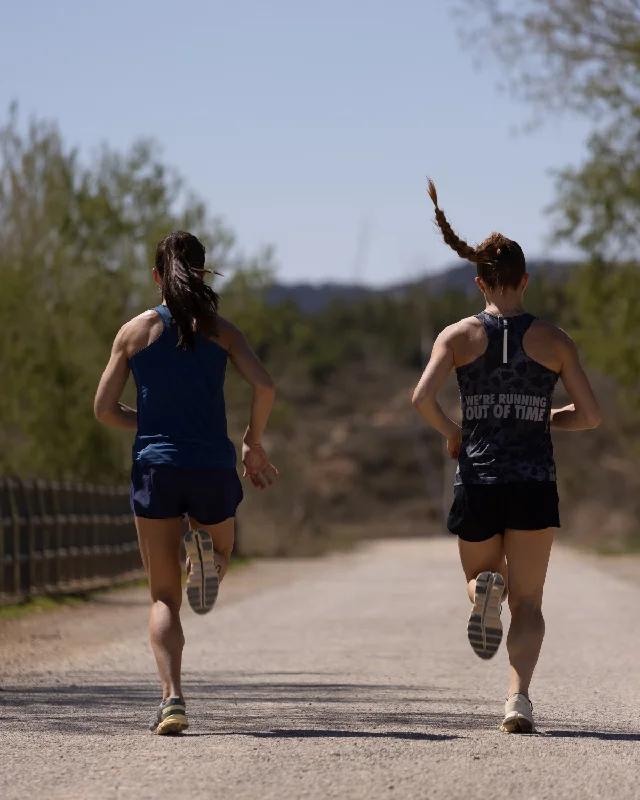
(64, 537)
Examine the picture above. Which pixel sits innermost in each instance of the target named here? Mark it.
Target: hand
(454, 443)
(257, 466)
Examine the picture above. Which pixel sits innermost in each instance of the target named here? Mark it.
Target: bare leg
(222, 538)
(477, 557)
(527, 554)
(160, 549)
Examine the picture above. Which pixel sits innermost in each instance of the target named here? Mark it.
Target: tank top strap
(165, 315)
(519, 326)
(492, 325)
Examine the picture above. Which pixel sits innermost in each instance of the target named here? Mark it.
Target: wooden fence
(64, 537)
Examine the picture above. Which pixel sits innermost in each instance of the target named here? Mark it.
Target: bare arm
(254, 373)
(257, 465)
(584, 413)
(425, 396)
(107, 406)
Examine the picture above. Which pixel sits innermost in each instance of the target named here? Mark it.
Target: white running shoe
(202, 580)
(484, 628)
(518, 715)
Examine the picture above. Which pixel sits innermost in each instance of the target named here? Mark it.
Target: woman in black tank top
(505, 507)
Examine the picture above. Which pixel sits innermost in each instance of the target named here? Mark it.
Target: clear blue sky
(307, 125)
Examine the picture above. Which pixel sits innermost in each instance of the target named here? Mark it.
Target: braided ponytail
(500, 261)
(463, 249)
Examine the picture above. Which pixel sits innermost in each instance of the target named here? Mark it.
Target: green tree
(581, 56)
(584, 56)
(77, 241)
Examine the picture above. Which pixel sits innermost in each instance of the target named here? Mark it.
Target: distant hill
(312, 298)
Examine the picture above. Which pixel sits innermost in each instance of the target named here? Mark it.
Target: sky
(306, 125)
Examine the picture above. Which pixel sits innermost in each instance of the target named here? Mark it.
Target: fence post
(55, 500)
(31, 535)
(17, 582)
(45, 525)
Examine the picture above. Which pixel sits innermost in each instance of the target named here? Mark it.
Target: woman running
(505, 504)
(183, 460)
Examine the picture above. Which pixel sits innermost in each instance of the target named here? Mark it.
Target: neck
(505, 305)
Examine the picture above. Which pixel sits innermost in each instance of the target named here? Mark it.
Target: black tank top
(506, 409)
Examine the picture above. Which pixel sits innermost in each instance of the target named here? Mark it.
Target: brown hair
(193, 303)
(501, 262)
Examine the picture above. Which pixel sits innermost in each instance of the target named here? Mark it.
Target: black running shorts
(210, 496)
(480, 511)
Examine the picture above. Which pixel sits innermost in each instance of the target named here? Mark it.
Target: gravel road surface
(345, 677)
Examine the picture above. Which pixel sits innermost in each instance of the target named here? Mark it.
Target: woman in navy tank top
(505, 507)
(183, 459)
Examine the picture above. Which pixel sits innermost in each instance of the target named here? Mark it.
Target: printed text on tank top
(506, 404)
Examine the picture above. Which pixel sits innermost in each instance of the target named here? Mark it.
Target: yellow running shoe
(171, 718)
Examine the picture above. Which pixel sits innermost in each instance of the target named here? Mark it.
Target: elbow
(101, 413)
(265, 386)
(417, 400)
(593, 420)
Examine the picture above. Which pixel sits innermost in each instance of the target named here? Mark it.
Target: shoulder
(466, 328)
(227, 327)
(553, 335)
(550, 345)
(228, 333)
(135, 334)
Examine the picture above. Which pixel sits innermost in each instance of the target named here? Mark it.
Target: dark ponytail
(192, 302)
(501, 262)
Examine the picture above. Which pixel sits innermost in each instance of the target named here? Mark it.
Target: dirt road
(348, 677)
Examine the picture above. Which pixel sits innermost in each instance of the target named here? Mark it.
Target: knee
(171, 599)
(526, 608)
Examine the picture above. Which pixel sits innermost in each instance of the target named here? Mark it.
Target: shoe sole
(518, 724)
(202, 580)
(175, 723)
(484, 628)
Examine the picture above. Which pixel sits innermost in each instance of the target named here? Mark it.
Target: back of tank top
(182, 420)
(506, 409)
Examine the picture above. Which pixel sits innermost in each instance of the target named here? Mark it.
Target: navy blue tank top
(506, 409)
(182, 420)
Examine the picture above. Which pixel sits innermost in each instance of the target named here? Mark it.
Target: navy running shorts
(480, 511)
(163, 492)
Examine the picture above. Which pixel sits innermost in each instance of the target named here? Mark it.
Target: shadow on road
(606, 736)
(314, 733)
(226, 705)
(222, 704)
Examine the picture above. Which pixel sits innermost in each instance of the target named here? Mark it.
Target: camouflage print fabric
(506, 406)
